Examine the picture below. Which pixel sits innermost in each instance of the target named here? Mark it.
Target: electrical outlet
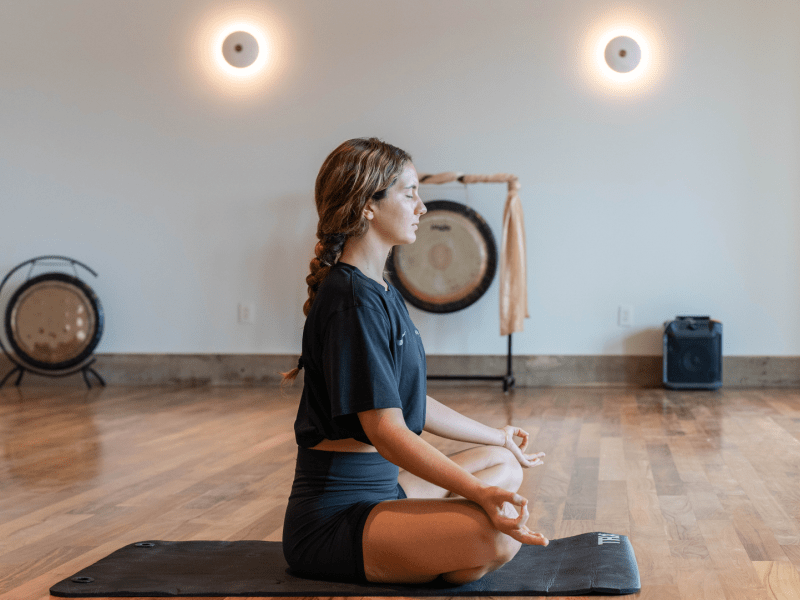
(625, 315)
(245, 313)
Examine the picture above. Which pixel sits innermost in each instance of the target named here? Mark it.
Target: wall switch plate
(246, 313)
(625, 315)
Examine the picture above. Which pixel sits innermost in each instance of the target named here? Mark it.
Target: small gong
(452, 262)
(54, 321)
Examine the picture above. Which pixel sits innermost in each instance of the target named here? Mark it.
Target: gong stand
(507, 379)
(88, 332)
(513, 276)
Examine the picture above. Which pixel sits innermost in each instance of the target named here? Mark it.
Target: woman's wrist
(479, 492)
(502, 441)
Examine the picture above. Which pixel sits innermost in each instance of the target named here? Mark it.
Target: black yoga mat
(597, 563)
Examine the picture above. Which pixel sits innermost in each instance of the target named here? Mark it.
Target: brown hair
(358, 171)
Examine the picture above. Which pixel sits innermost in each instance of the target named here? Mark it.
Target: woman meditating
(371, 500)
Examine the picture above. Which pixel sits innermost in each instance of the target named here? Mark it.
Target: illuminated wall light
(608, 47)
(252, 54)
(236, 51)
(240, 49)
(622, 55)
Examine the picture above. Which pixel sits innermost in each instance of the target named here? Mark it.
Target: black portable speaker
(693, 353)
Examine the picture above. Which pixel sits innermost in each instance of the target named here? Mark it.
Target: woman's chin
(409, 240)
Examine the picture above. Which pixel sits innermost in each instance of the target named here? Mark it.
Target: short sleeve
(358, 360)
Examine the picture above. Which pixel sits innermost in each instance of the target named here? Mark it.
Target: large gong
(52, 322)
(451, 264)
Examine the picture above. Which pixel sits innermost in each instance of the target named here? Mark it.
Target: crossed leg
(492, 464)
(433, 533)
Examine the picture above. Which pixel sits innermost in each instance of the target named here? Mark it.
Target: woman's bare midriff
(348, 445)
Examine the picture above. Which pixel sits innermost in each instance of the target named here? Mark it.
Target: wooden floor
(705, 484)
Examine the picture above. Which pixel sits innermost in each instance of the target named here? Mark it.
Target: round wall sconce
(623, 54)
(240, 49)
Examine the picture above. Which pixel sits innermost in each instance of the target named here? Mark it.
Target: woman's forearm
(447, 423)
(407, 450)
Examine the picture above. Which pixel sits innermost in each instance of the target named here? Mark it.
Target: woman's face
(395, 219)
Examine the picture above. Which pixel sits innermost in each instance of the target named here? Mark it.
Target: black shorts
(332, 496)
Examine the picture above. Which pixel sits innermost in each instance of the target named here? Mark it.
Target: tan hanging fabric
(513, 268)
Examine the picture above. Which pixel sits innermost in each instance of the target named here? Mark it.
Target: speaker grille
(693, 354)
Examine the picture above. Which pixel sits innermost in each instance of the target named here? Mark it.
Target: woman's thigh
(493, 462)
(416, 540)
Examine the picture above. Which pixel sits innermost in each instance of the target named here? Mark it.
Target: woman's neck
(367, 256)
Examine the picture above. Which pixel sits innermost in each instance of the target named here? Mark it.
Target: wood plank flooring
(705, 484)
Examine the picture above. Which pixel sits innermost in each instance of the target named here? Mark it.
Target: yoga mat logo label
(607, 538)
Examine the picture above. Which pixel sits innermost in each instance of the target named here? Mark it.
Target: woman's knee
(506, 548)
(513, 469)
(502, 547)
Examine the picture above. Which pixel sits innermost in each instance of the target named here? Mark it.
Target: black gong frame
(508, 379)
(81, 364)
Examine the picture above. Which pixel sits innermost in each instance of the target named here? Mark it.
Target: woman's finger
(524, 459)
(531, 538)
(534, 460)
(524, 435)
(506, 497)
(524, 515)
(536, 539)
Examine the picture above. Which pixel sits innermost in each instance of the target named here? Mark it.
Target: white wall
(189, 193)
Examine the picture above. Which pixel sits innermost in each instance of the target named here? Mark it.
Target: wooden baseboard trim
(529, 371)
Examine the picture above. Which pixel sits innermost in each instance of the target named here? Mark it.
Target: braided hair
(358, 171)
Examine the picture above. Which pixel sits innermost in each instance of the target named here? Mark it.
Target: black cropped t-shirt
(360, 352)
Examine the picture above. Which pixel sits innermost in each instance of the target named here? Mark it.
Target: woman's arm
(447, 423)
(387, 430)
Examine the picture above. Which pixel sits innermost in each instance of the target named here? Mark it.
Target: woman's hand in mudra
(526, 460)
(500, 505)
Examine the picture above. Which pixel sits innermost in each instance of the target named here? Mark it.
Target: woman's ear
(369, 212)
